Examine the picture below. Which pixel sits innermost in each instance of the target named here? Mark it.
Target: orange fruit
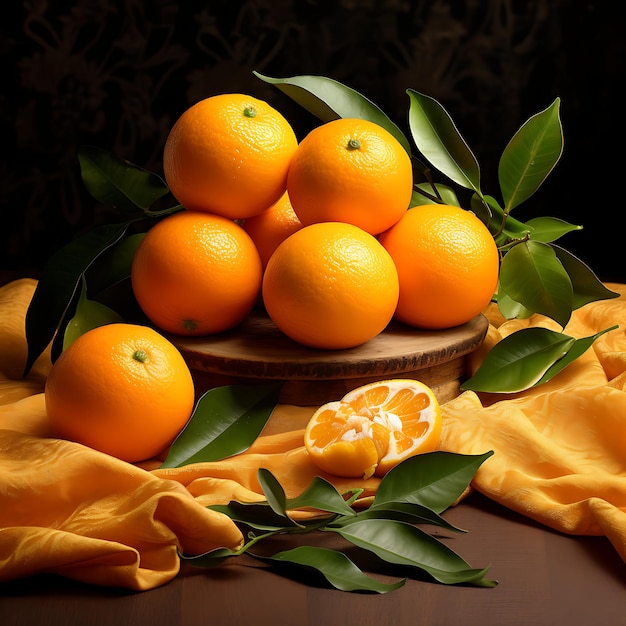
(374, 427)
(229, 154)
(330, 286)
(196, 274)
(350, 170)
(272, 227)
(123, 389)
(447, 263)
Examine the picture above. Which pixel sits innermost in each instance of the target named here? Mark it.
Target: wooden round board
(257, 351)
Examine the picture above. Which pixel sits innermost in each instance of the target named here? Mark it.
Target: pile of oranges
(319, 232)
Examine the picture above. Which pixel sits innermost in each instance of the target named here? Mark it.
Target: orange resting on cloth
(560, 459)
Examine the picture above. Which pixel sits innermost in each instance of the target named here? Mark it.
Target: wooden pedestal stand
(257, 352)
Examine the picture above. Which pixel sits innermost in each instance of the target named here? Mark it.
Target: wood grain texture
(257, 351)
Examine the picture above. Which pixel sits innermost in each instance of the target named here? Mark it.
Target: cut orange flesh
(374, 427)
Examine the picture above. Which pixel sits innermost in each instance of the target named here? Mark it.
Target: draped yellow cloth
(560, 459)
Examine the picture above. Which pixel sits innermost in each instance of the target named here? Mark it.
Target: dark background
(117, 75)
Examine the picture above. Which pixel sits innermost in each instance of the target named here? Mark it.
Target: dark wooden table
(545, 578)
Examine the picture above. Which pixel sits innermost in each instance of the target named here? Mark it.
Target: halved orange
(374, 427)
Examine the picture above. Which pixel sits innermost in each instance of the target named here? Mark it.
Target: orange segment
(374, 427)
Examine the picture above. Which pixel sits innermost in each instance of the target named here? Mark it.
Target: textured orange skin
(330, 286)
(99, 395)
(196, 274)
(220, 160)
(369, 186)
(447, 263)
(272, 227)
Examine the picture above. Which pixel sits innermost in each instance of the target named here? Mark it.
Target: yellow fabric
(560, 458)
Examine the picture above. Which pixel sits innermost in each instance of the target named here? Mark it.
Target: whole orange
(447, 263)
(272, 227)
(331, 286)
(123, 389)
(196, 274)
(229, 154)
(350, 170)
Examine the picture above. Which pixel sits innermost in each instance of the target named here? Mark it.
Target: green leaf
(530, 156)
(118, 183)
(531, 274)
(481, 206)
(257, 515)
(110, 282)
(334, 566)
(213, 558)
(328, 100)
(423, 193)
(402, 512)
(403, 544)
(519, 361)
(89, 314)
(225, 422)
(58, 284)
(273, 491)
(510, 308)
(578, 349)
(321, 495)
(433, 479)
(114, 266)
(586, 285)
(505, 229)
(438, 139)
(272, 514)
(549, 229)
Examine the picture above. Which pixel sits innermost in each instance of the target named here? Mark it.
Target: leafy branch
(415, 492)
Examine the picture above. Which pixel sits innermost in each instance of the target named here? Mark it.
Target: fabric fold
(559, 459)
(68, 509)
